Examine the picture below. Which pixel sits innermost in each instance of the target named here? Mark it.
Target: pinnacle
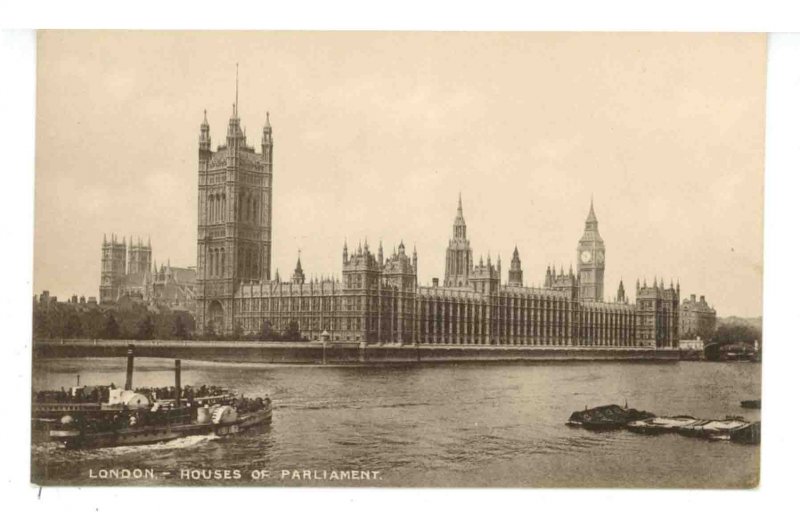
(591, 218)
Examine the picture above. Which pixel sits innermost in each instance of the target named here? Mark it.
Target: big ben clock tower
(591, 260)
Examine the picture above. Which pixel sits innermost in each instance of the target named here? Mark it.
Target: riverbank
(339, 353)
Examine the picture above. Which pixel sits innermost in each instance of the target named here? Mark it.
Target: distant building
(128, 274)
(697, 318)
(44, 301)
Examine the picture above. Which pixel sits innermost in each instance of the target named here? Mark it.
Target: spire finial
(591, 218)
(236, 105)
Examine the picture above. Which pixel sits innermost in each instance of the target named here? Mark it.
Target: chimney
(693, 297)
(177, 383)
(435, 282)
(129, 369)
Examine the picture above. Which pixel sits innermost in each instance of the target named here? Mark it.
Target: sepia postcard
(398, 259)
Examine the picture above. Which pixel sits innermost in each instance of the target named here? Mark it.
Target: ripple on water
(463, 425)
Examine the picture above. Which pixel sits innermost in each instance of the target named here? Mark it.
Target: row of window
(247, 209)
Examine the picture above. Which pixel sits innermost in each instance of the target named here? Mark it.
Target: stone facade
(378, 298)
(697, 318)
(234, 231)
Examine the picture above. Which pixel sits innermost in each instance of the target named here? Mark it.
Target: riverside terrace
(320, 353)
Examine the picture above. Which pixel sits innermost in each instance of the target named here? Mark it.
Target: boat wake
(175, 444)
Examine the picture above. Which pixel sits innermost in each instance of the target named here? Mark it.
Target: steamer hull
(73, 438)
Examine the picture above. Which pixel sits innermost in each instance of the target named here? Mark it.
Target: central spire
(236, 104)
(459, 225)
(591, 219)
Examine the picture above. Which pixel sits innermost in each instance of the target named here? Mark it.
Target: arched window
(211, 262)
(222, 213)
(210, 209)
(222, 262)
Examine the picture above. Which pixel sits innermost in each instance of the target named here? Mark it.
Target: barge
(608, 417)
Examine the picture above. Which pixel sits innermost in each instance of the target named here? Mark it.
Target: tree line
(137, 323)
(64, 321)
(728, 334)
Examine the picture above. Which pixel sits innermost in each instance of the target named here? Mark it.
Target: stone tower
(591, 260)
(112, 268)
(234, 224)
(459, 254)
(515, 272)
(139, 257)
(657, 315)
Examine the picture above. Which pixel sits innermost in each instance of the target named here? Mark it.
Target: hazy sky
(376, 134)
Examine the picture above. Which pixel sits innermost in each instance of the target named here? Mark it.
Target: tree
(73, 327)
(238, 331)
(267, 333)
(145, 329)
(210, 332)
(727, 334)
(41, 324)
(111, 329)
(179, 330)
(292, 332)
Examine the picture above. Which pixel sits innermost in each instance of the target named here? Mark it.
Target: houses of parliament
(378, 298)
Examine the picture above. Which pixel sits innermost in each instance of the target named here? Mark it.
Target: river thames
(465, 425)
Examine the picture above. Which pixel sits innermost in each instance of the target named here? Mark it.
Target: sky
(377, 133)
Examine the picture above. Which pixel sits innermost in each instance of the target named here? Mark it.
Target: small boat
(751, 404)
(661, 424)
(606, 417)
(715, 430)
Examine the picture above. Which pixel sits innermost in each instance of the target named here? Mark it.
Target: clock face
(600, 257)
(586, 256)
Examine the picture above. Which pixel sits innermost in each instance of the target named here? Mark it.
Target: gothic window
(222, 261)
